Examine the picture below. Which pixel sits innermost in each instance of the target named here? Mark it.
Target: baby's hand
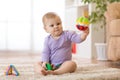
(84, 34)
(44, 65)
(86, 31)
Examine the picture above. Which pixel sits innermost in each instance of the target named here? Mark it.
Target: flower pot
(101, 51)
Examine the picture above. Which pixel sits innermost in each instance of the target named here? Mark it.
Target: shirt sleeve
(46, 51)
(74, 37)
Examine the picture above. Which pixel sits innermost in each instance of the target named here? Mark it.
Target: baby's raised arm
(84, 34)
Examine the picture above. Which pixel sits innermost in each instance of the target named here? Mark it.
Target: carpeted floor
(83, 72)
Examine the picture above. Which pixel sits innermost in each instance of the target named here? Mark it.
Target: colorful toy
(82, 23)
(12, 71)
(49, 66)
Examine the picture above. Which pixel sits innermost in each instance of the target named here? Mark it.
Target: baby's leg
(66, 67)
(39, 69)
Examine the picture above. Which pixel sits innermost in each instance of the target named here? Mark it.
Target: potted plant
(97, 16)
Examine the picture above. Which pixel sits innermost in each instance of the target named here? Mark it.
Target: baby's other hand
(44, 65)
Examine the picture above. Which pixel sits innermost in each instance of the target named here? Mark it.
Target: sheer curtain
(15, 24)
(20, 23)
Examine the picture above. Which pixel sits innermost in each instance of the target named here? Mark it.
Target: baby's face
(54, 26)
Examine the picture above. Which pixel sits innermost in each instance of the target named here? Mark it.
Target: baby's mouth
(56, 30)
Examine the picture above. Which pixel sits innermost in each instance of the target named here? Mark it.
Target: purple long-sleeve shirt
(58, 51)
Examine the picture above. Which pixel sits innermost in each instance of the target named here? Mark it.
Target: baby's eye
(52, 25)
(58, 23)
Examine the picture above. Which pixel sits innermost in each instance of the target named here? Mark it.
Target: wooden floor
(15, 57)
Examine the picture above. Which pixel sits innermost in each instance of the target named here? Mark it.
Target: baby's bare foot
(44, 72)
(51, 72)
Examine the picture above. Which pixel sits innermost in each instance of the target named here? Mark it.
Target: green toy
(49, 66)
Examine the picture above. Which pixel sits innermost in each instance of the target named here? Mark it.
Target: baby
(57, 46)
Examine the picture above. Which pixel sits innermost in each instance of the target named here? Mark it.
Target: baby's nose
(55, 26)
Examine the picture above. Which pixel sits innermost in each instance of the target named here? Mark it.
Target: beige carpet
(84, 72)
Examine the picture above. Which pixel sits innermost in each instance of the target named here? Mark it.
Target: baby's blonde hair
(114, 10)
(49, 15)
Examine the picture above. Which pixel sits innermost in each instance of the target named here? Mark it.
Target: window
(20, 22)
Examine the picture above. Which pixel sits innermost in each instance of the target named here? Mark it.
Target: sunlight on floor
(29, 57)
(19, 58)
